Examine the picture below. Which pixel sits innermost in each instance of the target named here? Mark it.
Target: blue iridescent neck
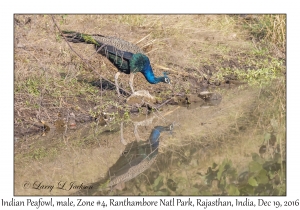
(154, 136)
(150, 77)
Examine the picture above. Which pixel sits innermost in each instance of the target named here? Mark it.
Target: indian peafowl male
(125, 56)
(137, 157)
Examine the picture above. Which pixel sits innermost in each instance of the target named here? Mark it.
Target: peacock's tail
(99, 40)
(76, 37)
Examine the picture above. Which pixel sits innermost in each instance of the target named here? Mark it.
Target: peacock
(137, 157)
(125, 56)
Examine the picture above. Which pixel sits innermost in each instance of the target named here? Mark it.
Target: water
(200, 149)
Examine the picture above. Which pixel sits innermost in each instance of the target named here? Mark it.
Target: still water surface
(200, 149)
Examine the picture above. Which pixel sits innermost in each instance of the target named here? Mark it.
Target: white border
(8, 8)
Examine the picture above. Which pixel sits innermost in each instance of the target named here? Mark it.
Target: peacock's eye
(167, 80)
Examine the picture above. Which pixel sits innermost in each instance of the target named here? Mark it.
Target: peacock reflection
(136, 158)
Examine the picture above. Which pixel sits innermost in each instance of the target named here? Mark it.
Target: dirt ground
(200, 52)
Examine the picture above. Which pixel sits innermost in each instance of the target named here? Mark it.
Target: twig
(84, 60)
(98, 50)
(163, 103)
(142, 39)
(149, 43)
(172, 70)
(152, 50)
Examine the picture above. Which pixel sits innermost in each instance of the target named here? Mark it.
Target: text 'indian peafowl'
(127, 57)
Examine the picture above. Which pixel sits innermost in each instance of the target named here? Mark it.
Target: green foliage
(233, 190)
(32, 86)
(158, 183)
(162, 192)
(172, 185)
(252, 181)
(63, 19)
(39, 153)
(254, 167)
(262, 177)
(262, 72)
(42, 152)
(259, 178)
(126, 115)
(104, 185)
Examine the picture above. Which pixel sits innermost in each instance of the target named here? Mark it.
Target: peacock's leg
(123, 141)
(131, 82)
(116, 83)
(137, 136)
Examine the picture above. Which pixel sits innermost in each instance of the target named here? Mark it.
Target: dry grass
(51, 81)
(269, 30)
(50, 78)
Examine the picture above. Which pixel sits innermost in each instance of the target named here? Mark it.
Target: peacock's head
(166, 78)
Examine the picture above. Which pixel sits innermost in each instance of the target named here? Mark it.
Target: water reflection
(215, 149)
(203, 99)
(136, 158)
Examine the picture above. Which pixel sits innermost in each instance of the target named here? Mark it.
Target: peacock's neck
(150, 77)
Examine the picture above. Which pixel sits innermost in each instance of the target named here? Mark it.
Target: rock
(191, 98)
(72, 122)
(178, 100)
(59, 125)
(205, 94)
(186, 99)
(214, 99)
(140, 98)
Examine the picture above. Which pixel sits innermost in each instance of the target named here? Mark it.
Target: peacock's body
(127, 57)
(137, 157)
